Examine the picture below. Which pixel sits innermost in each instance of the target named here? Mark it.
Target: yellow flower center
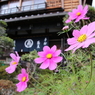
(23, 79)
(49, 56)
(78, 14)
(82, 38)
(14, 63)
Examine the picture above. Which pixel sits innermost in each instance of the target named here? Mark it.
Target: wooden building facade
(35, 23)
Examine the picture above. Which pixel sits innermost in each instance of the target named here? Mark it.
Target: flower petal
(77, 47)
(68, 20)
(57, 59)
(73, 14)
(84, 29)
(11, 63)
(85, 9)
(72, 47)
(76, 33)
(40, 60)
(91, 28)
(88, 42)
(86, 17)
(20, 76)
(17, 54)
(17, 59)
(46, 48)
(80, 7)
(21, 86)
(58, 52)
(10, 69)
(91, 36)
(41, 54)
(53, 49)
(52, 65)
(13, 56)
(72, 41)
(23, 71)
(45, 64)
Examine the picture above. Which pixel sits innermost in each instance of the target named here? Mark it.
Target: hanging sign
(26, 45)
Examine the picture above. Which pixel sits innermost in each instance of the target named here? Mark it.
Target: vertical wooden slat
(70, 4)
(53, 4)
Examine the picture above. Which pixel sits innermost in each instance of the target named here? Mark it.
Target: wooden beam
(16, 33)
(29, 32)
(47, 30)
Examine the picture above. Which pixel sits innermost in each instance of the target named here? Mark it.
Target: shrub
(2, 63)
(7, 87)
(27, 61)
(91, 13)
(29, 56)
(6, 76)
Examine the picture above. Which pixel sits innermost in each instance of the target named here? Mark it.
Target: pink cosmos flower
(65, 27)
(69, 20)
(82, 38)
(13, 63)
(78, 14)
(49, 57)
(23, 78)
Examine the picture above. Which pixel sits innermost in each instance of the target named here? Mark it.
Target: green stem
(83, 22)
(89, 21)
(34, 79)
(91, 69)
(73, 68)
(76, 26)
(31, 83)
(35, 86)
(37, 81)
(68, 35)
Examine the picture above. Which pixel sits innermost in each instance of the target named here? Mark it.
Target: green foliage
(3, 26)
(77, 78)
(74, 79)
(64, 83)
(6, 43)
(6, 76)
(91, 13)
(29, 56)
(1, 63)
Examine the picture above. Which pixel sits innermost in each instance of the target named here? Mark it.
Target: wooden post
(32, 4)
(20, 4)
(84, 2)
(62, 3)
(80, 2)
(62, 44)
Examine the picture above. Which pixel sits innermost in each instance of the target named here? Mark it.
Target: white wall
(93, 3)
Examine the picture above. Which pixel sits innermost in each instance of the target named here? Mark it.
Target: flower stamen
(14, 63)
(23, 79)
(49, 56)
(82, 38)
(78, 14)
